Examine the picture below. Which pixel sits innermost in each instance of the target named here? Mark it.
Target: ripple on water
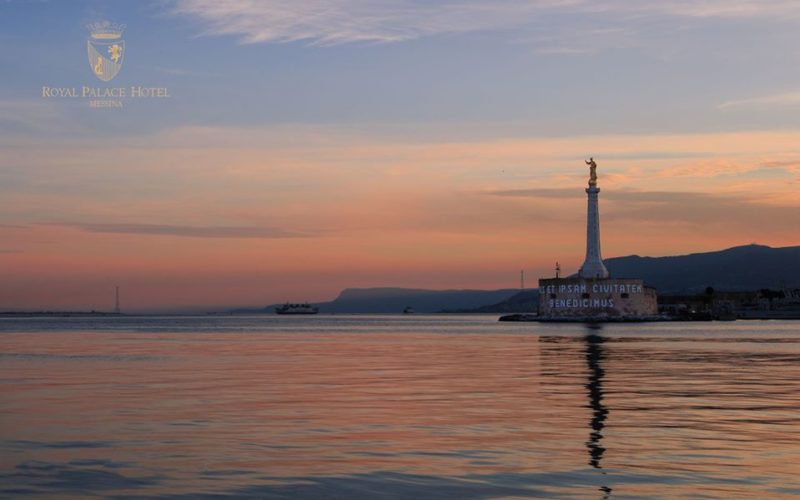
(397, 407)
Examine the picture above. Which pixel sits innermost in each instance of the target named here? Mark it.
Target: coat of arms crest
(106, 49)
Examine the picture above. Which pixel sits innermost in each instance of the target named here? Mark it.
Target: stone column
(593, 266)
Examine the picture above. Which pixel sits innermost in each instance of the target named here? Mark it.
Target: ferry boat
(296, 309)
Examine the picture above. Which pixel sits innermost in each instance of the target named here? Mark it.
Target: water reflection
(390, 407)
(595, 355)
(594, 361)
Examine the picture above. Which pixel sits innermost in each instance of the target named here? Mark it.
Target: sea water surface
(415, 406)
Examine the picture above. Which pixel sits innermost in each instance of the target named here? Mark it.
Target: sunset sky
(310, 146)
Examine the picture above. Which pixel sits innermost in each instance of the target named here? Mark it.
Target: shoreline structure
(591, 295)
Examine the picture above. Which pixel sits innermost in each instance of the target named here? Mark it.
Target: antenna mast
(116, 301)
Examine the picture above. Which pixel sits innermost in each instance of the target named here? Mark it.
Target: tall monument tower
(591, 295)
(593, 266)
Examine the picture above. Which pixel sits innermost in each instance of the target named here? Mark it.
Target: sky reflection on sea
(397, 407)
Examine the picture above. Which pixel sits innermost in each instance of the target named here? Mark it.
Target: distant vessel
(296, 309)
(408, 310)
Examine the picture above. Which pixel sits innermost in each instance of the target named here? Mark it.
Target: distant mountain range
(522, 301)
(392, 300)
(750, 267)
(395, 300)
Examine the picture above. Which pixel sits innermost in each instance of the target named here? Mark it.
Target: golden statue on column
(592, 172)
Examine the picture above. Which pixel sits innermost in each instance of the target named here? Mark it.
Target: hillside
(394, 300)
(522, 301)
(749, 267)
(745, 268)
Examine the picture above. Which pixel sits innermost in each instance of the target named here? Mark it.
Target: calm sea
(411, 406)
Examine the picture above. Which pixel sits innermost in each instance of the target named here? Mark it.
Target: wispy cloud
(623, 195)
(633, 196)
(177, 71)
(33, 116)
(536, 193)
(724, 8)
(329, 22)
(713, 167)
(784, 99)
(188, 231)
(792, 165)
(696, 209)
(657, 155)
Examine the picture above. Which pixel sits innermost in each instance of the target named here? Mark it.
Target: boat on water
(296, 309)
(408, 310)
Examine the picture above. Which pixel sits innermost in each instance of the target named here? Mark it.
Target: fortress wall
(600, 298)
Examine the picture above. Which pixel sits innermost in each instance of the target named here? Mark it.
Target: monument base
(596, 299)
